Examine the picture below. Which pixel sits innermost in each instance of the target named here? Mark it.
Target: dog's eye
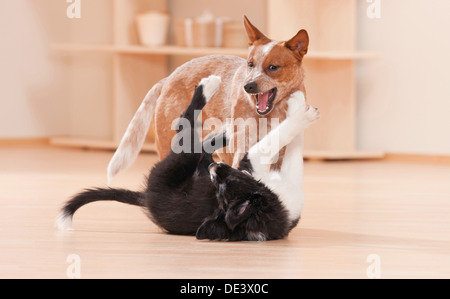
(250, 64)
(273, 67)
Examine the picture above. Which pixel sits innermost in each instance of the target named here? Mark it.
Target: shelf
(93, 143)
(342, 155)
(141, 50)
(175, 50)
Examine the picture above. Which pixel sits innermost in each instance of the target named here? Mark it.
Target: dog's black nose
(251, 87)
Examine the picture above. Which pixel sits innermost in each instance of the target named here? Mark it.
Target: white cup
(153, 28)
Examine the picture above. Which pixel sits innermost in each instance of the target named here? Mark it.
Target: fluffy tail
(64, 220)
(134, 137)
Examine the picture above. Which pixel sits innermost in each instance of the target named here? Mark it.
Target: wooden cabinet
(330, 68)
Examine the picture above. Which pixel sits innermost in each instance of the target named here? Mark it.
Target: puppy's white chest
(289, 191)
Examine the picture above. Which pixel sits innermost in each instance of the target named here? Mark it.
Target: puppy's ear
(253, 33)
(242, 208)
(299, 43)
(213, 228)
(237, 213)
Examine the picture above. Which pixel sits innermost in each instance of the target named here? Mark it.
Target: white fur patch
(210, 86)
(287, 183)
(258, 237)
(265, 49)
(64, 222)
(296, 102)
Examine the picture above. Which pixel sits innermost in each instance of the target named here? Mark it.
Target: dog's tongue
(263, 100)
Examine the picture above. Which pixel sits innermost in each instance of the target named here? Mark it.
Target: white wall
(404, 96)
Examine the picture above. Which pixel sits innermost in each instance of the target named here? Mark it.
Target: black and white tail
(64, 220)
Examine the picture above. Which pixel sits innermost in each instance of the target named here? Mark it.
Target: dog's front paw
(296, 103)
(210, 86)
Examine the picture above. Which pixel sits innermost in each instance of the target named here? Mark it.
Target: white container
(153, 28)
(202, 31)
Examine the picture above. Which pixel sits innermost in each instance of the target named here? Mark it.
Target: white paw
(210, 86)
(296, 103)
(312, 114)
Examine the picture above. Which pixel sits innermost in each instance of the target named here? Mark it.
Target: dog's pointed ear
(253, 33)
(299, 43)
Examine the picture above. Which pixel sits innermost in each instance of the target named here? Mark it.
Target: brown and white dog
(253, 89)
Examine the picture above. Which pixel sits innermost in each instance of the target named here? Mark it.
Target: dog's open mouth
(264, 101)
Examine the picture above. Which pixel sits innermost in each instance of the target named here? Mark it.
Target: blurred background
(74, 72)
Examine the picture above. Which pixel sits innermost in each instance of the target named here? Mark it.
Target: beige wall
(41, 94)
(404, 96)
(90, 94)
(31, 81)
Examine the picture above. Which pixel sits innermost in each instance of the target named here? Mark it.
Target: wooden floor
(361, 219)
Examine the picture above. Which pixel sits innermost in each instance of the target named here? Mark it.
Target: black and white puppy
(188, 194)
(270, 205)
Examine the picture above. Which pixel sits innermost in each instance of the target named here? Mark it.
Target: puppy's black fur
(189, 194)
(247, 210)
